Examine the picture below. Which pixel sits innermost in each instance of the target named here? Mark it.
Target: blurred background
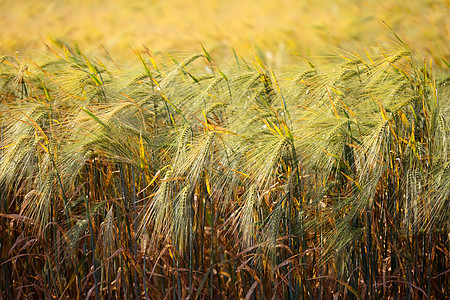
(269, 28)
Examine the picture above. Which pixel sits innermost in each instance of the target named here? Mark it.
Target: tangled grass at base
(178, 179)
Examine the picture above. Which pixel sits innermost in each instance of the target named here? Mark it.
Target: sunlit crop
(241, 171)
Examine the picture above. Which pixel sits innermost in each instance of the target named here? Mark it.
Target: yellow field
(310, 27)
(164, 174)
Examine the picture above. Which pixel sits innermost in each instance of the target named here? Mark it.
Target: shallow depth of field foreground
(182, 178)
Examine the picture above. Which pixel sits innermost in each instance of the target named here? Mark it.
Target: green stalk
(127, 220)
(124, 286)
(176, 263)
(353, 278)
(416, 253)
(86, 266)
(136, 280)
(369, 254)
(430, 263)
(392, 232)
(423, 259)
(291, 295)
(94, 261)
(190, 232)
(174, 282)
(145, 278)
(298, 193)
(441, 267)
(178, 275)
(211, 282)
(408, 277)
(202, 236)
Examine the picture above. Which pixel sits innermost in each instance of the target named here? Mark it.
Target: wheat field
(172, 150)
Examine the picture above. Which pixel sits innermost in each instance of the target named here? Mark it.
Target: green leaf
(95, 118)
(147, 70)
(206, 53)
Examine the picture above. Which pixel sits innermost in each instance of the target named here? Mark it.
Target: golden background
(309, 27)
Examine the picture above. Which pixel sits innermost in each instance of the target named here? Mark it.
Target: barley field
(224, 150)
